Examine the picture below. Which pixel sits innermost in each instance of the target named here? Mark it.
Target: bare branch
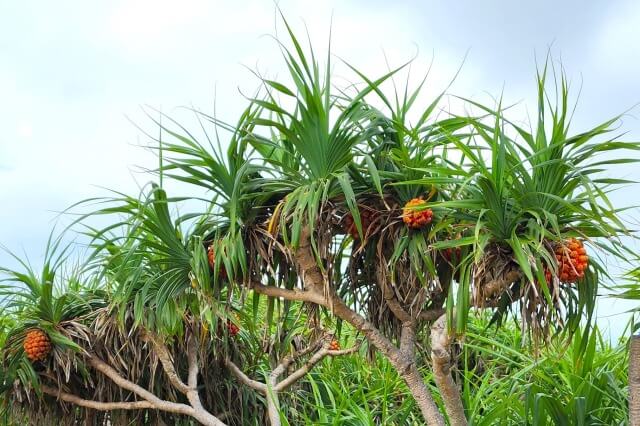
(408, 340)
(96, 405)
(496, 287)
(160, 404)
(403, 365)
(431, 314)
(295, 294)
(260, 387)
(195, 410)
(271, 389)
(390, 298)
(315, 359)
(167, 362)
(193, 396)
(287, 360)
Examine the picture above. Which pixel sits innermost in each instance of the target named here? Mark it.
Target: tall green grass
(502, 384)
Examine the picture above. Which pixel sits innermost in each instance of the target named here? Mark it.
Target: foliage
(501, 384)
(304, 159)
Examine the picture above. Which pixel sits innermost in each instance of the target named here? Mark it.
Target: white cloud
(73, 70)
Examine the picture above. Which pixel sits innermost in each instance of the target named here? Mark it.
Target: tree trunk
(272, 407)
(419, 391)
(634, 381)
(402, 363)
(441, 357)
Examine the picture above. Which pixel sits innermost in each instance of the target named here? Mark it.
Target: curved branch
(315, 359)
(287, 360)
(95, 405)
(167, 363)
(404, 365)
(260, 387)
(329, 299)
(431, 314)
(195, 410)
(193, 396)
(498, 285)
(295, 294)
(160, 404)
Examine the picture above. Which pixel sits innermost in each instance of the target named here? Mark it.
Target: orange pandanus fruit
(211, 255)
(37, 345)
(450, 252)
(572, 260)
(367, 217)
(232, 328)
(414, 215)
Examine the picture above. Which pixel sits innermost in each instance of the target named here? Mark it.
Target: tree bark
(194, 410)
(441, 357)
(273, 407)
(317, 291)
(403, 363)
(634, 381)
(95, 405)
(271, 389)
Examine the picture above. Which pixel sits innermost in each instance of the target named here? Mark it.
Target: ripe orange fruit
(449, 254)
(37, 345)
(334, 345)
(233, 329)
(414, 216)
(572, 260)
(211, 255)
(367, 217)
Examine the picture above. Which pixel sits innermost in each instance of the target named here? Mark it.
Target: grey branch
(441, 357)
(295, 294)
(271, 389)
(167, 362)
(316, 358)
(95, 405)
(244, 379)
(195, 410)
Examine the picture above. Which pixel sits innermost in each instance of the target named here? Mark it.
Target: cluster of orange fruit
(449, 253)
(211, 255)
(233, 329)
(334, 345)
(367, 217)
(37, 345)
(572, 260)
(414, 215)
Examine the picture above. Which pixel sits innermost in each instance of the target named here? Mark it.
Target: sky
(74, 76)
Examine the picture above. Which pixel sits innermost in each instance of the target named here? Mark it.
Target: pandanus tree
(323, 207)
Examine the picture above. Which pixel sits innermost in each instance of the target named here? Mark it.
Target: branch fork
(149, 400)
(270, 389)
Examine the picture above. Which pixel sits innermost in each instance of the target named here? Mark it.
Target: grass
(501, 384)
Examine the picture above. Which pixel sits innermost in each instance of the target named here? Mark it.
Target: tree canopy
(351, 221)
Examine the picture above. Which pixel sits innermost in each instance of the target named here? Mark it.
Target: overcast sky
(71, 72)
